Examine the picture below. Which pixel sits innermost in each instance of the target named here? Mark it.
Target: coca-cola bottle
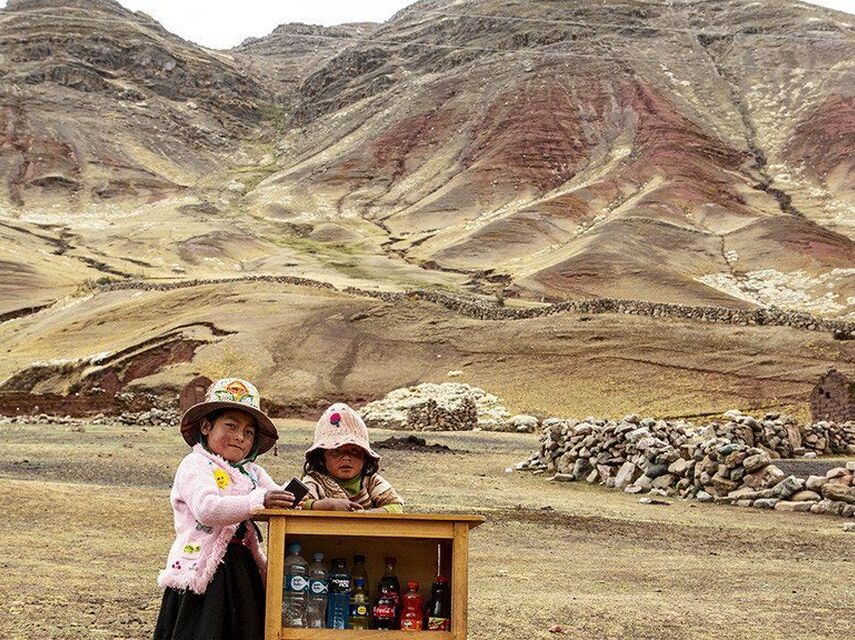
(438, 610)
(391, 579)
(384, 614)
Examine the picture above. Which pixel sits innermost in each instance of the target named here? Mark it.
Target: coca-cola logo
(384, 611)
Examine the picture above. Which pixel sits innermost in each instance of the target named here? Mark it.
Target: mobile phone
(298, 489)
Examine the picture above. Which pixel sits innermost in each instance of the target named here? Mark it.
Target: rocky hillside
(98, 103)
(684, 152)
(285, 57)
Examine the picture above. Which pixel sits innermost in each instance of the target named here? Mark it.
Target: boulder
(664, 482)
(680, 467)
(839, 493)
(766, 503)
(626, 475)
(814, 483)
(785, 488)
(787, 505)
(723, 486)
(756, 462)
(805, 496)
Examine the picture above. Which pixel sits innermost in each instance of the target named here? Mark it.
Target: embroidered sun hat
(230, 393)
(340, 425)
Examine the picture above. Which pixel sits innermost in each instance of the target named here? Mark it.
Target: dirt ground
(88, 525)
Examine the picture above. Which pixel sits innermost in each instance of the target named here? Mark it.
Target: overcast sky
(222, 24)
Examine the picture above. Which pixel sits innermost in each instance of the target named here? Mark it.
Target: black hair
(315, 462)
(212, 418)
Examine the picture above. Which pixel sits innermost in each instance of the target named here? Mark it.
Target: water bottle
(338, 603)
(296, 588)
(316, 606)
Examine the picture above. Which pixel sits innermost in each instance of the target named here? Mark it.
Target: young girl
(213, 578)
(341, 469)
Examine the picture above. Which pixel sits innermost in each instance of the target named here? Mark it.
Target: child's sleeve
(198, 488)
(315, 492)
(384, 496)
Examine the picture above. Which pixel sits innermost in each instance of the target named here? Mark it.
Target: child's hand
(336, 504)
(275, 499)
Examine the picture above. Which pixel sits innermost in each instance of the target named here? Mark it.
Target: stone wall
(487, 308)
(729, 462)
(833, 398)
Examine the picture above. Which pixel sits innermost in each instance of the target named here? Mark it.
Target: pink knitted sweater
(210, 498)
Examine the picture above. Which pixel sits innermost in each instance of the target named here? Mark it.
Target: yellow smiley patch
(222, 478)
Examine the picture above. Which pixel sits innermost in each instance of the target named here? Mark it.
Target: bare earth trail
(90, 510)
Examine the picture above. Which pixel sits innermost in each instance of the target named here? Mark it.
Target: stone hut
(833, 398)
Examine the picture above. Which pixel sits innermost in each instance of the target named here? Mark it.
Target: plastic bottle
(359, 618)
(384, 612)
(338, 602)
(438, 610)
(389, 578)
(316, 606)
(359, 571)
(412, 608)
(296, 588)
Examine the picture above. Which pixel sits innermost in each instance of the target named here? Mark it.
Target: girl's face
(344, 463)
(231, 435)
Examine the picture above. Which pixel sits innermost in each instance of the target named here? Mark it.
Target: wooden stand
(424, 545)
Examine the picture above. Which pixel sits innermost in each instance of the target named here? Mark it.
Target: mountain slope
(695, 152)
(624, 148)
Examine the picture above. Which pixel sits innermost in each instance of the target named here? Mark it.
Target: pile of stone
(152, 418)
(833, 437)
(449, 406)
(779, 435)
(729, 462)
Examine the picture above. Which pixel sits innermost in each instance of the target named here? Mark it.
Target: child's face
(231, 435)
(344, 463)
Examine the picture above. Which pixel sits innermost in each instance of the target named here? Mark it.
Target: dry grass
(309, 346)
(88, 526)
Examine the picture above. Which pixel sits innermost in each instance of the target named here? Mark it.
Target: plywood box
(425, 545)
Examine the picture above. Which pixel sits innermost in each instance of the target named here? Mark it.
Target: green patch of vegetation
(277, 116)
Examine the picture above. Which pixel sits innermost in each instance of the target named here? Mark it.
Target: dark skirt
(232, 607)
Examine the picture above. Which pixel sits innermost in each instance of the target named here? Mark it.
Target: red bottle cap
(412, 585)
(442, 579)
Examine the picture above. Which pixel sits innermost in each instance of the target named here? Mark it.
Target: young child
(341, 469)
(213, 578)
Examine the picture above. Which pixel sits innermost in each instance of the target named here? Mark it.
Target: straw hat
(229, 393)
(340, 425)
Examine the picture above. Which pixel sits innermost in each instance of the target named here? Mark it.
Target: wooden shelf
(426, 545)
(361, 634)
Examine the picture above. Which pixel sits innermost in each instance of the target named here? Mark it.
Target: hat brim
(266, 436)
(340, 441)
